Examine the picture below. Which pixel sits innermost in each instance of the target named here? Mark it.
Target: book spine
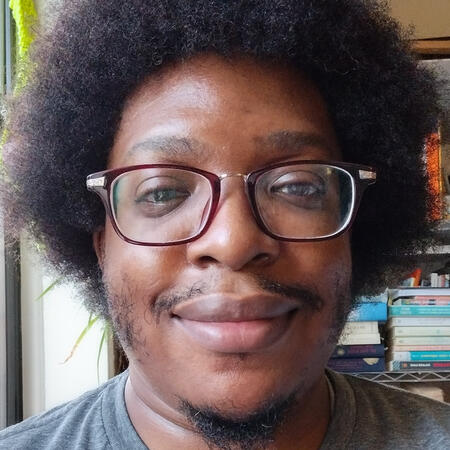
(419, 310)
(445, 298)
(421, 292)
(434, 278)
(419, 331)
(418, 321)
(357, 364)
(365, 327)
(355, 339)
(417, 366)
(376, 311)
(419, 356)
(422, 301)
(421, 340)
(419, 348)
(359, 351)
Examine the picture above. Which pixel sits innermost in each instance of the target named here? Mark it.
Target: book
(418, 321)
(419, 310)
(357, 364)
(369, 311)
(422, 300)
(355, 339)
(363, 327)
(419, 331)
(415, 291)
(419, 356)
(421, 340)
(358, 351)
(413, 279)
(419, 348)
(417, 366)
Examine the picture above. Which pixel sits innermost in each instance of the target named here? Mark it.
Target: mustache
(306, 295)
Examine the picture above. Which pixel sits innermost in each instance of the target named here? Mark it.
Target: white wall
(50, 328)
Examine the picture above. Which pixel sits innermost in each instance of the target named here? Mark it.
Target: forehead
(212, 109)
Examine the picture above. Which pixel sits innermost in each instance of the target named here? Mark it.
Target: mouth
(234, 324)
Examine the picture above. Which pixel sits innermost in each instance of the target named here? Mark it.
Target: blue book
(359, 351)
(419, 310)
(357, 364)
(421, 356)
(368, 311)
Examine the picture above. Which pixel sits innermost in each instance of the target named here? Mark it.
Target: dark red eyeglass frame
(101, 182)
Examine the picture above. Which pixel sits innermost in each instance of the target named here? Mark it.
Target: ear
(98, 241)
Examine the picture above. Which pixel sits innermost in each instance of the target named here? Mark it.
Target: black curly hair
(61, 126)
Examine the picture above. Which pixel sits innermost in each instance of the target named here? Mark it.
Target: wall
(50, 327)
(431, 18)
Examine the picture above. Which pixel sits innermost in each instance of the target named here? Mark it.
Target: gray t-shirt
(366, 416)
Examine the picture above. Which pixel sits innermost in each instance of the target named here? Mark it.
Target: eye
(297, 189)
(158, 196)
(162, 195)
(302, 189)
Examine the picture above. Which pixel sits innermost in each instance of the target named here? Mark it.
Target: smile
(229, 324)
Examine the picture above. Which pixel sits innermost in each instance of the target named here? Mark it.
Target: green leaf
(48, 289)
(91, 322)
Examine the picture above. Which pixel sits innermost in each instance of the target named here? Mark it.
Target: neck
(161, 426)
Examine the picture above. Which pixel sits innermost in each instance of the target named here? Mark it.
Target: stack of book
(360, 347)
(418, 329)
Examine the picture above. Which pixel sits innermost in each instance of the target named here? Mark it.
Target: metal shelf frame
(403, 377)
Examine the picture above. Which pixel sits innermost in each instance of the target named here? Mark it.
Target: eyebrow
(284, 141)
(169, 145)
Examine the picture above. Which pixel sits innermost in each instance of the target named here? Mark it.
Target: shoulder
(386, 417)
(78, 422)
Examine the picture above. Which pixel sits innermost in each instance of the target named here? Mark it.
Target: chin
(241, 393)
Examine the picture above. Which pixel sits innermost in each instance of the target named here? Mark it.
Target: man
(230, 143)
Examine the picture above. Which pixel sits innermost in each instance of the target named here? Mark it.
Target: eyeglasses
(166, 204)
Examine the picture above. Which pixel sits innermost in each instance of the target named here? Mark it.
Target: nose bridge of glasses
(227, 191)
(222, 176)
(243, 176)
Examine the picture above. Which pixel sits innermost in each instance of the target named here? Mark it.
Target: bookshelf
(403, 377)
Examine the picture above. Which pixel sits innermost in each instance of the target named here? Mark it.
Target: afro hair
(61, 127)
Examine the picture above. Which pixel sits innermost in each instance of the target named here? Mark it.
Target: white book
(413, 291)
(420, 340)
(360, 339)
(418, 321)
(363, 327)
(419, 331)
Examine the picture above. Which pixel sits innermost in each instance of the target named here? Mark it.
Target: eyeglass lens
(164, 205)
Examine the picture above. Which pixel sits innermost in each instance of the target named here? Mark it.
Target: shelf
(403, 377)
(439, 250)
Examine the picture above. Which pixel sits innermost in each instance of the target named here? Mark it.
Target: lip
(234, 324)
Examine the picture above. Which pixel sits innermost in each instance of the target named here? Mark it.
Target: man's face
(226, 118)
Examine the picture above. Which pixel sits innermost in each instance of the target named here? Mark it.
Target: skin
(230, 107)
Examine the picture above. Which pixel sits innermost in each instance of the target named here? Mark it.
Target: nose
(233, 239)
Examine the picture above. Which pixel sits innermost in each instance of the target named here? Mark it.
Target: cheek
(323, 264)
(141, 266)
(134, 275)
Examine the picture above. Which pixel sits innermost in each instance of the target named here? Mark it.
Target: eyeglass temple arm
(367, 176)
(93, 182)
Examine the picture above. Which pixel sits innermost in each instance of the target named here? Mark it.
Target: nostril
(206, 260)
(262, 258)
